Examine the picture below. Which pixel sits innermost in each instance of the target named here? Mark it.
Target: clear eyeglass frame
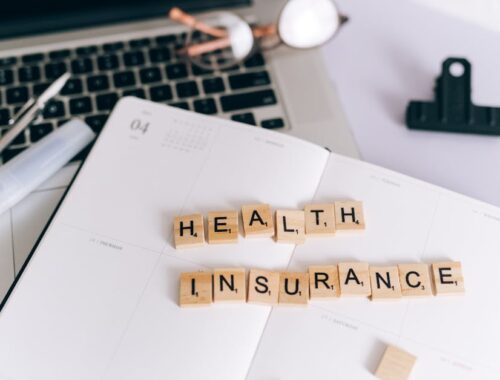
(220, 40)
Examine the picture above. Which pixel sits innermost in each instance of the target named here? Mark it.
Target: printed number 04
(139, 125)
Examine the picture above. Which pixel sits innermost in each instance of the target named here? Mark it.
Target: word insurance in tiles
(287, 226)
(326, 282)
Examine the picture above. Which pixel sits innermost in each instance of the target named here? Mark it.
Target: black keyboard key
(17, 95)
(150, 75)
(59, 54)
(183, 105)
(113, 46)
(213, 85)
(107, 62)
(39, 88)
(30, 58)
(247, 100)
(61, 122)
(11, 153)
(124, 79)
(142, 42)
(160, 93)
(255, 60)
(4, 116)
(83, 154)
(54, 108)
(82, 66)
(231, 68)
(7, 61)
(97, 83)
(29, 73)
(196, 36)
(239, 81)
(246, 118)
(80, 105)
(206, 106)
(105, 102)
(197, 70)
(273, 123)
(96, 122)
(55, 70)
(20, 139)
(167, 39)
(6, 77)
(187, 89)
(39, 131)
(133, 58)
(177, 71)
(138, 93)
(159, 55)
(72, 87)
(86, 50)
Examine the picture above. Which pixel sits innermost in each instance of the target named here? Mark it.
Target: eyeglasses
(218, 40)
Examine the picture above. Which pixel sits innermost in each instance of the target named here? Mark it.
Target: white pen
(31, 110)
(22, 174)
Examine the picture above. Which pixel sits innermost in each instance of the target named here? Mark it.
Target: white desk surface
(390, 52)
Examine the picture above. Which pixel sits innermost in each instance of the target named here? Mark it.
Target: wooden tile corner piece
(294, 289)
(189, 231)
(396, 364)
(320, 219)
(324, 282)
(415, 280)
(384, 281)
(195, 289)
(354, 278)
(448, 277)
(222, 227)
(290, 226)
(257, 220)
(229, 285)
(263, 287)
(349, 215)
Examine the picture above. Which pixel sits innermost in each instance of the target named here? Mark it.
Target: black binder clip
(452, 110)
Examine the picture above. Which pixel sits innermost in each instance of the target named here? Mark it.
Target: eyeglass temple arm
(260, 31)
(206, 47)
(178, 15)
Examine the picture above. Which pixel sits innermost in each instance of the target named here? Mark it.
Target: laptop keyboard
(146, 68)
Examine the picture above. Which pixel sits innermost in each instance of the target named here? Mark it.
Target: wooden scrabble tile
(294, 288)
(448, 278)
(384, 282)
(222, 227)
(320, 219)
(354, 279)
(349, 215)
(290, 226)
(195, 289)
(263, 286)
(189, 231)
(324, 282)
(396, 364)
(415, 280)
(230, 285)
(257, 220)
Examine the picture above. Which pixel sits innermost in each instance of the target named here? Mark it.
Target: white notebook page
(406, 221)
(99, 299)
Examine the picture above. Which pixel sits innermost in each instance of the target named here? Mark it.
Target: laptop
(118, 48)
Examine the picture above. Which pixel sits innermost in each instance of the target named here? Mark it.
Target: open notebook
(99, 297)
